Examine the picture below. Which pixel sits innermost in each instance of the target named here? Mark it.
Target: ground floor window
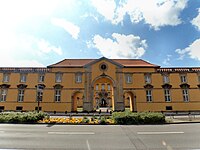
(149, 95)
(167, 95)
(3, 95)
(20, 95)
(57, 95)
(185, 95)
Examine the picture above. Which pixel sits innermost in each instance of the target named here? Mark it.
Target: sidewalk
(183, 119)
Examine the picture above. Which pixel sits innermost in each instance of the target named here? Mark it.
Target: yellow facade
(90, 85)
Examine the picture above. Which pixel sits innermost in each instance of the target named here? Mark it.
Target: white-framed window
(39, 96)
(129, 78)
(108, 86)
(166, 78)
(23, 77)
(20, 95)
(103, 86)
(183, 78)
(147, 78)
(97, 87)
(3, 95)
(6, 77)
(57, 95)
(199, 78)
(78, 77)
(58, 77)
(185, 95)
(41, 78)
(149, 95)
(167, 95)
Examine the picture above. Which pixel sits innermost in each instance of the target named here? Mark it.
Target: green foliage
(102, 121)
(129, 118)
(22, 117)
(85, 120)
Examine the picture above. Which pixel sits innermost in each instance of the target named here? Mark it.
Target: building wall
(115, 75)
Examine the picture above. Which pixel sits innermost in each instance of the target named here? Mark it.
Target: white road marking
(73, 133)
(150, 133)
(164, 143)
(88, 145)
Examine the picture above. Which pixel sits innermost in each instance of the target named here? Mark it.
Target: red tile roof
(83, 62)
(134, 63)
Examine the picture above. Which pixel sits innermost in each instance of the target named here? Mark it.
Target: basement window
(1, 108)
(19, 108)
(40, 108)
(168, 107)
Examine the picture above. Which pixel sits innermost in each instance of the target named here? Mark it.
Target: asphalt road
(98, 137)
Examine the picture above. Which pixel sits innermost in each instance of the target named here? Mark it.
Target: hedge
(129, 118)
(22, 117)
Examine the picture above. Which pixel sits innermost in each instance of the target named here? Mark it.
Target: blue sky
(37, 33)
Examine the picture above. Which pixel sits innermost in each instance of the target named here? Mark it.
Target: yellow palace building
(92, 84)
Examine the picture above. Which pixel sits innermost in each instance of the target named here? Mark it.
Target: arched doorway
(77, 101)
(103, 98)
(129, 101)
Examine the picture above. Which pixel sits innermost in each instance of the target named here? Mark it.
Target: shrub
(129, 118)
(102, 121)
(24, 117)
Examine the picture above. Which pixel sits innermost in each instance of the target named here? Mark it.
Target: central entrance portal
(103, 99)
(103, 94)
(103, 103)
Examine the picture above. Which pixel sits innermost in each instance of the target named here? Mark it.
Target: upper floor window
(167, 95)
(103, 86)
(183, 78)
(166, 78)
(20, 95)
(78, 77)
(97, 87)
(185, 95)
(6, 77)
(3, 95)
(41, 78)
(128, 78)
(58, 77)
(149, 95)
(108, 85)
(147, 78)
(23, 77)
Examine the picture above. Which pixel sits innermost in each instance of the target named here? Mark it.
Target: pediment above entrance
(103, 59)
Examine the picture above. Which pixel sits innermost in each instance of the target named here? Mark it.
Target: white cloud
(196, 21)
(192, 50)
(120, 46)
(167, 60)
(46, 47)
(105, 7)
(24, 50)
(156, 13)
(69, 27)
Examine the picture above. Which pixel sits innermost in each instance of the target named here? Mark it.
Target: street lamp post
(40, 89)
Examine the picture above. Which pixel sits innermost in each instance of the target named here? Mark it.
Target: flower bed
(83, 120)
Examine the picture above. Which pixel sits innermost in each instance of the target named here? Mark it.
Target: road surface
(99, 137)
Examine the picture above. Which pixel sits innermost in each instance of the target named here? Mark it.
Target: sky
(38, 33)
